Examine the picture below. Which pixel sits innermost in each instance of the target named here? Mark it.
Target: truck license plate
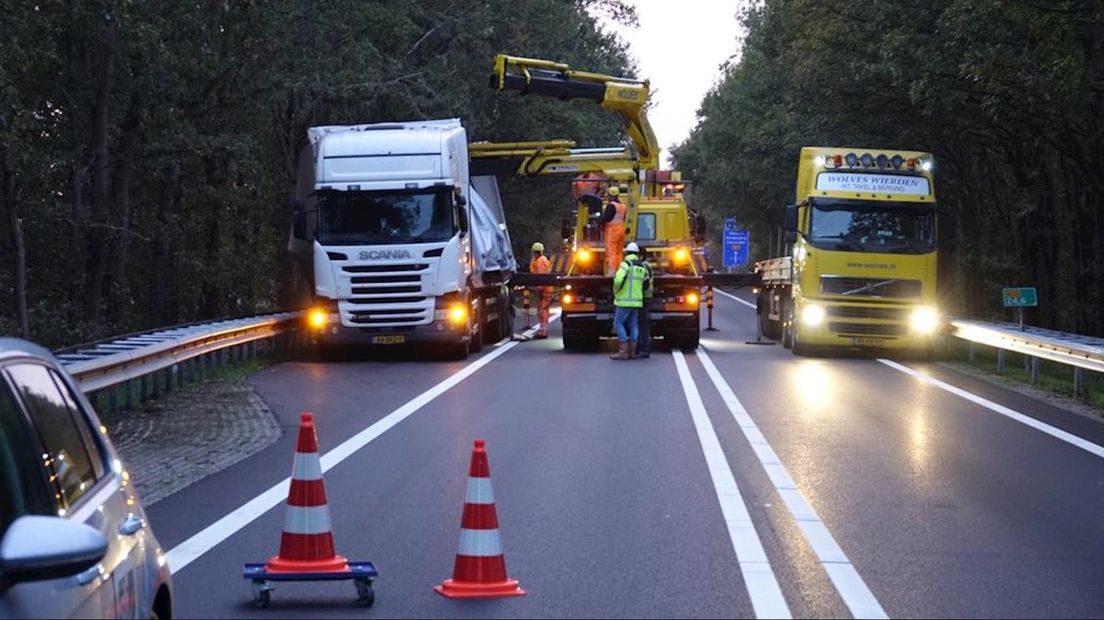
(388, 339)
(867, 342)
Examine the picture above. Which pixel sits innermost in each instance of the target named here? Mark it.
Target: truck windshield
(393, 216)
(858, 226)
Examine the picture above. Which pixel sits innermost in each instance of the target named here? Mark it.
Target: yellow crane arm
(626, 97)
(550, 157)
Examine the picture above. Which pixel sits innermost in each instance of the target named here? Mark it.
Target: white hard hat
(632, 247)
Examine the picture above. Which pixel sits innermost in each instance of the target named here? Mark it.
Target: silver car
(74, 541)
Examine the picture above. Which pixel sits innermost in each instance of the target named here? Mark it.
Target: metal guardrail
(111, 363)
(1081, 352)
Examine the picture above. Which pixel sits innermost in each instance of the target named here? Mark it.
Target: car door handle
(90, 575)
(131, 525)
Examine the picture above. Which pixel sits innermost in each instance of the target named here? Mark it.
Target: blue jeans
(624, 321)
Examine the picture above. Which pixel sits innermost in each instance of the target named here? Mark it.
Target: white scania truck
(396, 243)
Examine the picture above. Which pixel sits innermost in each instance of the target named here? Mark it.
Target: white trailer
(397, 244)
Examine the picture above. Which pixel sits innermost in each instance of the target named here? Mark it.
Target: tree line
(1007, 94)
(148, 149)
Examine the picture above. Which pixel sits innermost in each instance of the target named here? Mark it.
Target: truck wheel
(787, 325)
(477, 337)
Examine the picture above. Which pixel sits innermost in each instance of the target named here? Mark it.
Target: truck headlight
(458, 313)
(924, 320)
(812, 315)
(318, 318)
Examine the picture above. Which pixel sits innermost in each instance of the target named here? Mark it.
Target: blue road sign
(735, 245)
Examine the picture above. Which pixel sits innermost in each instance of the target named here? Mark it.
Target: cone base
(465, 589)
(336, 564)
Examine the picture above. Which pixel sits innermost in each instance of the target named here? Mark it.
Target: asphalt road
(661, 489)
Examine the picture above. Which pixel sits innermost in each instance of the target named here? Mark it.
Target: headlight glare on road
(812, 315)
(924, 320)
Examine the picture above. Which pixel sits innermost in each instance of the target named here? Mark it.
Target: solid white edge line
(846, 579)
(1057, 433)
(206, 539)
(760, 580)
(734, 298)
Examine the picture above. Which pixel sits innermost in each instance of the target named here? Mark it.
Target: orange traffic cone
(480, 570)
(306, 545)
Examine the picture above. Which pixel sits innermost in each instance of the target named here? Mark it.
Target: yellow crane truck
(862, 270)
(657, 216)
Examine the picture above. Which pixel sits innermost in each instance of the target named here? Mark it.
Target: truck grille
(861, 312)
(385, 296)
(864, 329)
(870, 287)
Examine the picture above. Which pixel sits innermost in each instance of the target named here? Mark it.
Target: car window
(23, 486)
(68, 455)
(88, 434)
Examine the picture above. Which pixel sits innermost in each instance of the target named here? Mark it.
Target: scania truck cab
(396, 243)
(862, 270)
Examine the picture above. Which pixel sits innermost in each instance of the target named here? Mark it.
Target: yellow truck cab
(862, 270)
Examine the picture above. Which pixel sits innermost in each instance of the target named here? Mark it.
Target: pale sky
(680, 46)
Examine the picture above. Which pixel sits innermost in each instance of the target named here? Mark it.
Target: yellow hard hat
(614, 190)
(538, 247)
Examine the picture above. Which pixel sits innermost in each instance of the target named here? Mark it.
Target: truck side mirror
(700, 228)
(299, 221)
(791, 223)
(462, 216)
(567, 228)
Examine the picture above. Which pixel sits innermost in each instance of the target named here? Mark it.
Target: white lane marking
(854, 592)
(206, 539)
(1053, 431)
(762, 585)
(734, 298)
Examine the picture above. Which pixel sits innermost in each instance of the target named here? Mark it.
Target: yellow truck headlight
(318, 318)
(812, 315)
(924, 320)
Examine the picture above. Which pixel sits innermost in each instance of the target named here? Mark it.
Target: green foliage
(1009, 96)
(149, 147)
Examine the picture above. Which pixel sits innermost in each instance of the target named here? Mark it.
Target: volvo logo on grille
(384, 254)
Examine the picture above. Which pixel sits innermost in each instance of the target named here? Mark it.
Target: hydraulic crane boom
(626, 97)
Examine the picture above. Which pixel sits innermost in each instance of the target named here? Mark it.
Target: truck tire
(477, 322)
(786, 325)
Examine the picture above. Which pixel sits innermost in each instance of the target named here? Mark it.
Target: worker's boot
(632, 350)
(642, 355)
(622, 351)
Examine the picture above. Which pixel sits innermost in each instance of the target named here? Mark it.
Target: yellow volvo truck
(862, 269)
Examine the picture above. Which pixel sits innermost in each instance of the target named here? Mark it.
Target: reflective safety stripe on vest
(619, 214)
(630, 293)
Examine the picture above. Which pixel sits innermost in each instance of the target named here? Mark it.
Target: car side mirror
(461, 201)
(39, 548)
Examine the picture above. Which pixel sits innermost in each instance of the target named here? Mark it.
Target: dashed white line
(850, 585)
(1027, 420)
(206, 539)
(762, 585)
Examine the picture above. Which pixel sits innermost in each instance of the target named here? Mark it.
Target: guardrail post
(1034, 369)
(113, 399)
(709, 308)
(1078, 382)
(169, 379)
(972, 349)
(130, 394)
(1000, 361)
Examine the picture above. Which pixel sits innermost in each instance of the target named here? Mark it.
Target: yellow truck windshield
(867, 226)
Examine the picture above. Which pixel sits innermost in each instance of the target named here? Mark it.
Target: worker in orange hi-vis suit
(540, 264)
(613, 219)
